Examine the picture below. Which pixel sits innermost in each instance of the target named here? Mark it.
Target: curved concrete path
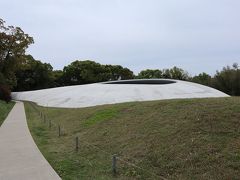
(20, 159)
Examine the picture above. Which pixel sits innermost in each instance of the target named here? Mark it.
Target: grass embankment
(5, 108)
(175, 139)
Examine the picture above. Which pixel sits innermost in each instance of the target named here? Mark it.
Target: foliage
(5, 93)
(178, 73)
(84, 72)
(57, 77)
(33, 74)
(173, 73)
(228, 80)
(116, 72)
(13, 44)
(150, 74)
(203, 78)
(2, 79)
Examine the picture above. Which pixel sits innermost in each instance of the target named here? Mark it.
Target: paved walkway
(20, 158)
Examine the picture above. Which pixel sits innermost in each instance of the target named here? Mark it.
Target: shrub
(228, 80)
(5, 93)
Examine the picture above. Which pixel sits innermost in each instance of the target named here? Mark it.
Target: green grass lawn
(173, 139)
(4, 110)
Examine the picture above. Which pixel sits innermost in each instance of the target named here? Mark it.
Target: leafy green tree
(166, 74)
(34, 74)
(203, 78)
(57, 76)
(2, 79)
(13, 44)
(178, 73)
(228, 80)
(5, 93)
(116, 72)
(82, 72)
(150, 74)
(173, 73)
(126, 73)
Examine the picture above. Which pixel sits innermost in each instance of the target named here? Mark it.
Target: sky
(196, 35)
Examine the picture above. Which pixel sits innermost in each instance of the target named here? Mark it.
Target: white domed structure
(117, 92)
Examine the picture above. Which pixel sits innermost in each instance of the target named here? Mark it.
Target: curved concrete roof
(117, 92)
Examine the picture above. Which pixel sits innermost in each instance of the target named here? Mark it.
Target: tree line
(21, 72)
(226, 80)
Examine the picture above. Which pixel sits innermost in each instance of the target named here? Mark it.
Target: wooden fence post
(77, 143)
(59, 131)
(114, 164)
(50, 124)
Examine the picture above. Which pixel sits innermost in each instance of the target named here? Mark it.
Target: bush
(5, 93)
(228, 80)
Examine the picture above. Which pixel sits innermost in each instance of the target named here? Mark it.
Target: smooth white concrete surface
(20, 158)
(100, 93)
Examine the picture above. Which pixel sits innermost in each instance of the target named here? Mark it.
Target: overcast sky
(196, 35)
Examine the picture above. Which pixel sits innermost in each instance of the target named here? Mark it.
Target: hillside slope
(172, 139)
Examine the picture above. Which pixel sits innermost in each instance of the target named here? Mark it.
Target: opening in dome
(142, 81)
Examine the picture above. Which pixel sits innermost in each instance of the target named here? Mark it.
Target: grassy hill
(170, 139)
(4, 110)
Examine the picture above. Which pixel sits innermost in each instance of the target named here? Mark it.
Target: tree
(57, 76)
(13, 44)
(126, 73)
(82, 72)
(178, 73)
(5, 93)
(228, 80)
(116, 72)
(166, 74)
(150, 74)
(33, 74)
(203, 78)
(174, 73)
